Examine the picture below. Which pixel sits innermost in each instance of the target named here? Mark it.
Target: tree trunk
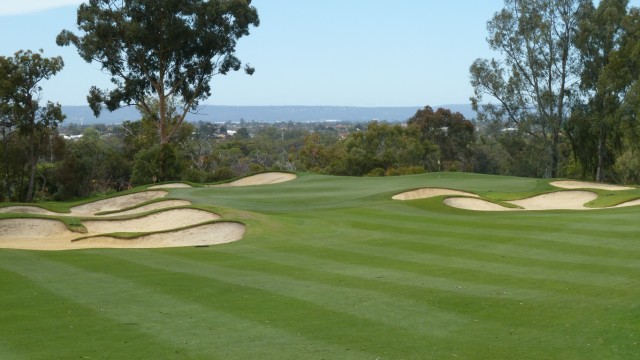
(601, 155)
(554, 155)
(32, 170)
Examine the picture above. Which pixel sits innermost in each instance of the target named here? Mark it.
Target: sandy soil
(160, 221)
(588, 185)
(261, 179)
(429, 193)
(117, 203)
(170, 186)
(475, 204)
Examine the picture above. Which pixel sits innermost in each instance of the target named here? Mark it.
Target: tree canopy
(167, 49)
(20, 86)
(532, 84)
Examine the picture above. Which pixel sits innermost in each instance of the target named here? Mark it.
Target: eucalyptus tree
(164, 49)
(528, 88)
(20, 89)
(595, 127)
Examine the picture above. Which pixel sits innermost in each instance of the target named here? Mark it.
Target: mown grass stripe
(293, 315)
(376, 305)
(481, 277)
(563, 273)
(178, 320)
(63, 318)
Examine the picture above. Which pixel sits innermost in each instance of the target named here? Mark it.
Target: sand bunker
(261, 179)
(27, 210)
(31, 228)
(475, 204)
(151, 207)
(117, 203)
(170, 186)
(203, 235)
(429, 193)
(628, 203)
(588, 185)
(41, 234)
(165, 220)
(163, 229)
(561, 200)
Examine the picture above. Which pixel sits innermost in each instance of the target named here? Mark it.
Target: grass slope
(332, 268)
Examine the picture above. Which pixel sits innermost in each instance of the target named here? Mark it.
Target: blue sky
(329, 52)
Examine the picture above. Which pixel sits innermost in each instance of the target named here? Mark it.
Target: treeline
(562, 99)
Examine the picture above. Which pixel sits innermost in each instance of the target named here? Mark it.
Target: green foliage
(92, 165)
(20, 91)
(159, 163)
(595, 127)
(450, 132)
(163, 49)
(529, 90)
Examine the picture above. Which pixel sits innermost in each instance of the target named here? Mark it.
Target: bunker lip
(117, 203)
(170, 186)
(560, 200)
(159, 221)
(174, 227)
(571, 184)
(46, 234)
(261, 179)
(426, 193)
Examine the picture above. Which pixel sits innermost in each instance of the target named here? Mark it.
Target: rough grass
(332, 268)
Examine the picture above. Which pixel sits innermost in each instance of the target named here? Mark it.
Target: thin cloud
(29, 6)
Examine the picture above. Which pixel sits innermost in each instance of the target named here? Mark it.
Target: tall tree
(168, 49)
(531, 84)
(595, 128)
(21, 93)
(451, 132)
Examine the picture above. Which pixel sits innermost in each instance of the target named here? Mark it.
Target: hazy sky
(328, 52)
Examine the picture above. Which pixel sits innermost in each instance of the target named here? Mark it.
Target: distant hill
(219, 113)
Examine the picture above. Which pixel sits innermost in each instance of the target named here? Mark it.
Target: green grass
(332, 268)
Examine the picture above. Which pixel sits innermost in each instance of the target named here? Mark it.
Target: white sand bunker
(429, 193)
(117, 203)
(561, 200)
(475, 204)
(31, 228)
(165, 220)
(635, 202)
(35, 234)
(261, 179)
(42, 234)
(203, 235)
(151, 207)
(27, 209)
(170, 186)
(566, 184)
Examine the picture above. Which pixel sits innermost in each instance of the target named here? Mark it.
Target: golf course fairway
(336, 268)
